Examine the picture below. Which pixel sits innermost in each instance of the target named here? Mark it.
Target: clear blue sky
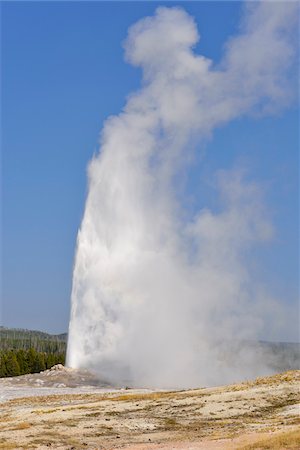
(63, 73)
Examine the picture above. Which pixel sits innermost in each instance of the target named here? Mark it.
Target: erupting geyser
(155, 291)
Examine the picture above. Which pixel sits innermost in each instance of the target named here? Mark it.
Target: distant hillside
(19, 339)
(281, 356)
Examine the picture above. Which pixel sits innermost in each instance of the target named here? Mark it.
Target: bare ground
(263, 414)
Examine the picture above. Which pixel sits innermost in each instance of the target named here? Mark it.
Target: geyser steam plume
(154, 291)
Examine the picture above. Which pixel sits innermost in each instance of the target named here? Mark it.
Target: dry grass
(79, 420)
(55, 399)
(289, 440)
(44, 411)
(8, 445)
(143, 396)
(170, 423)
(21, 426)
(54, 438)
(291, 376)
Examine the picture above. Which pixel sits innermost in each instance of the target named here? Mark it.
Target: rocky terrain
(57, 380)
(57, 376)
(37, 412)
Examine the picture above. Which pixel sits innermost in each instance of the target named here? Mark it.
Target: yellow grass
(7, 445)
(143, 396)
(21, 426)
(289, 440)
(291, 376)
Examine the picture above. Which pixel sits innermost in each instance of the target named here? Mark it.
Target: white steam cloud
(154, 294)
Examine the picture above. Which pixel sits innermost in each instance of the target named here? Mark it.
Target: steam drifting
(154, 293)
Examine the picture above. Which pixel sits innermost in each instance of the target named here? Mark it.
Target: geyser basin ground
(228, 417)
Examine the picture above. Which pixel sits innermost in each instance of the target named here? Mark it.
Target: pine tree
(12, 365)
(23, 362)
(3, 372)
(31, 356)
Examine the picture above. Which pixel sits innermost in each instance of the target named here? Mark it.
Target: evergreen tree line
(20, 362)
(40, 345)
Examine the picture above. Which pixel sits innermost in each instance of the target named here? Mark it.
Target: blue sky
(63, 73)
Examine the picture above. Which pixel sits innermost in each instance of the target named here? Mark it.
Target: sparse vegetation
(289, 440)
(263, 416)
(21, 426)
(170, 422)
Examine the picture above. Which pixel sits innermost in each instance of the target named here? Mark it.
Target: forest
(26, 351)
